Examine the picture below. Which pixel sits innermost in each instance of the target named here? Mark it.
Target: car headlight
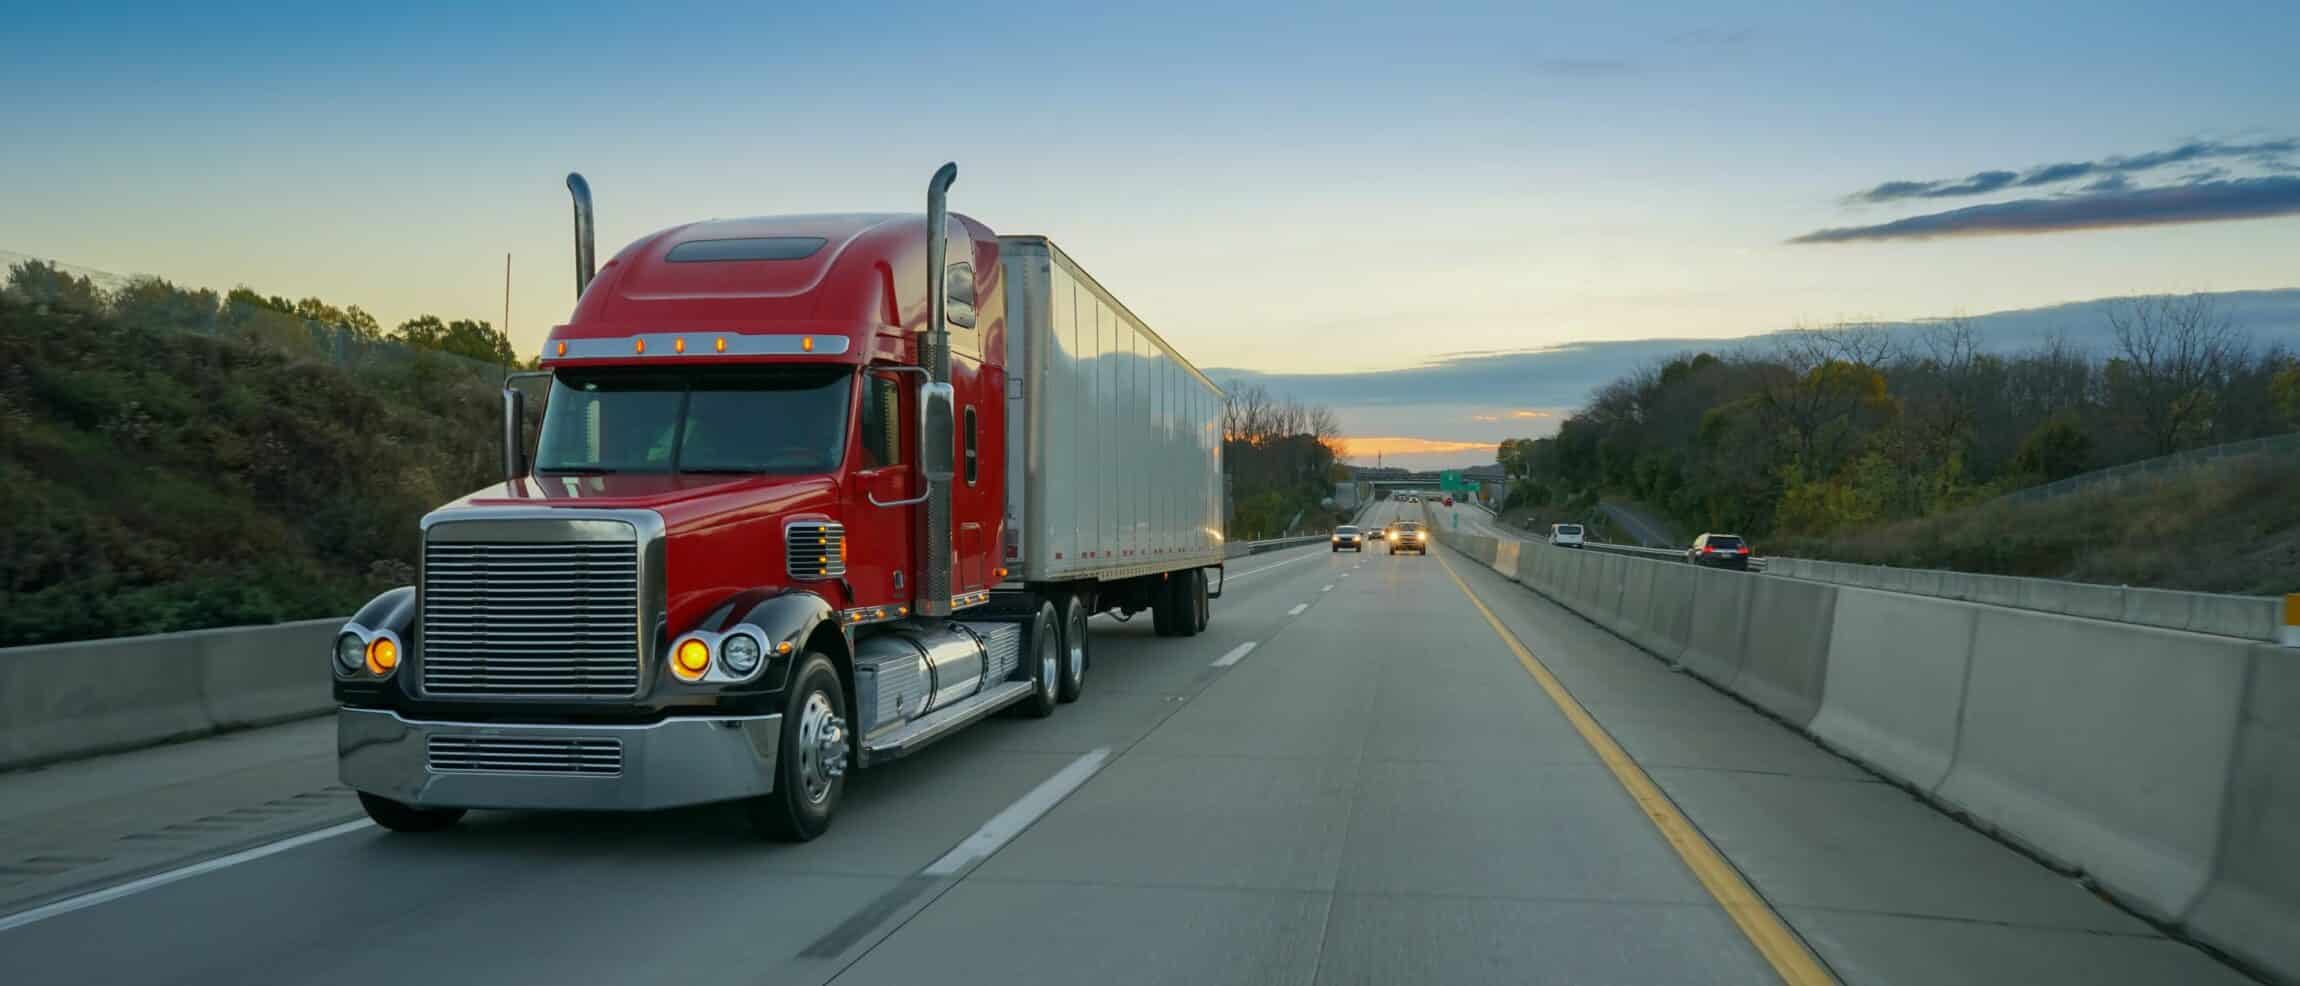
(739, 654)
(350, 653)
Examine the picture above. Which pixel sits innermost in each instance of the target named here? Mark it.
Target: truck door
(879, 551)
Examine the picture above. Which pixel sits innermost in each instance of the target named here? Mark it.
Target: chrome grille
(526, 755)
(512, 618)
(815, 549)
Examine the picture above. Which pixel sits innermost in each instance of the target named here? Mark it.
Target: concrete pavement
(1374, 792)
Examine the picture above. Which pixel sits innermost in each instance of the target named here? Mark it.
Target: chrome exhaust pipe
(585, 253)
(934, 356)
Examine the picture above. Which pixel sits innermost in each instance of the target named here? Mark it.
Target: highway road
(1370, 769)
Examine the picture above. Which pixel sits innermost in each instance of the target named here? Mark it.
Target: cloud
(1713, 37)
(1365, 445)
(1485, 417)
(2201, 202)
(1530, 415)
(2109, 183)
(1439, 397)
(1583, 68)
(2266, 154)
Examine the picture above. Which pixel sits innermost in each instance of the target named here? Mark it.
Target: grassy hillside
(154, 481)
(2231, 526)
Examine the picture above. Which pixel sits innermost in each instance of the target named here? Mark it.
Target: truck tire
(1075, 642)
(1187, 603)
(811, 762)
(1201, 603)
(400, 817)
(1042, 654)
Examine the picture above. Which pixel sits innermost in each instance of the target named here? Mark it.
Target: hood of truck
(684, 501)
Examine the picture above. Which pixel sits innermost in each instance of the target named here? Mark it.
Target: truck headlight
(382, 655)
(739, 654)
(350, 653)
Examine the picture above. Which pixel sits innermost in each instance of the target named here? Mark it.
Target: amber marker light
(562, 349)
(783, 648)
(679, 345)
(691, 659)
(806, 344)
(720, 345)
(382, 656)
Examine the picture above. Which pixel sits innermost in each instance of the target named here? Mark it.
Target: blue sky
(1277, 187)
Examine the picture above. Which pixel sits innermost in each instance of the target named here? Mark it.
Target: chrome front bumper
(670, 763)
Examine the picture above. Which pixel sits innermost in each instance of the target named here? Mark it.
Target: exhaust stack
(585, 254)
(934, 357)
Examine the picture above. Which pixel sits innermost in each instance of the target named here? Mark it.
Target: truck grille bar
(504, 618)
(525, 755)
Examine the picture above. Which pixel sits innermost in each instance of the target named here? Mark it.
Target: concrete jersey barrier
(2102, 746)
(62, 701)
(2252, 905)
(2249, 617)
(1896, 686)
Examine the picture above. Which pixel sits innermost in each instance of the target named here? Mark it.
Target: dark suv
(1719, 551)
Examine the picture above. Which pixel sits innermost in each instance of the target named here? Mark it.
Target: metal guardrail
(2287, 444)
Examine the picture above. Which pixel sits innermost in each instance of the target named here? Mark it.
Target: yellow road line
(1780, 946)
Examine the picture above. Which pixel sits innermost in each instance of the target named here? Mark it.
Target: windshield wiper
(581, 470)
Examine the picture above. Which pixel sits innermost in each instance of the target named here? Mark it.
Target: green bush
(152, 480)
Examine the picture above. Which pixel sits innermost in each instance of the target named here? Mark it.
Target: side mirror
(514, 437)
(515, 425)
(937, 431)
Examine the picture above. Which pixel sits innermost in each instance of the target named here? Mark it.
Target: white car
(1565, 535)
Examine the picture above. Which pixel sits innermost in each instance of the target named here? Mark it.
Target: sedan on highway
(1719, 551)
(1345, 536)
(1407, 535)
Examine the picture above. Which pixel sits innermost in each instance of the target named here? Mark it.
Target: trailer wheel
(1042, 652)
(1189, 602)
(1074, 646)
(400, 817)
(1200, 603)
(811, 762)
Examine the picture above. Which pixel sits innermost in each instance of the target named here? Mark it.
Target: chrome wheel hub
(822, 747)
(1047, 674)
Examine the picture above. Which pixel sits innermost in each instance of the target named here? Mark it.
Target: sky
(1278, 188)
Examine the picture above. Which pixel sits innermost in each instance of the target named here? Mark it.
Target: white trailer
(1114, 442)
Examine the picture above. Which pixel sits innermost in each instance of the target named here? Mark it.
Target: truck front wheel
(400, 817)
(811, 764)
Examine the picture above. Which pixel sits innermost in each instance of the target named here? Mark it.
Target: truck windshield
(700, 420)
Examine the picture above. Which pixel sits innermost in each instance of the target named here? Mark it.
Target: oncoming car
(1408, 535)
(1348, 536)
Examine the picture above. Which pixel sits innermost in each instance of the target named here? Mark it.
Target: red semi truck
(809, 493)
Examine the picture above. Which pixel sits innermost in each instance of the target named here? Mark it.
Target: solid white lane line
(1266, 568)
(1328, 588)
(95, 897)
(1009, 823)
(1297, 610)
(1235, 655)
